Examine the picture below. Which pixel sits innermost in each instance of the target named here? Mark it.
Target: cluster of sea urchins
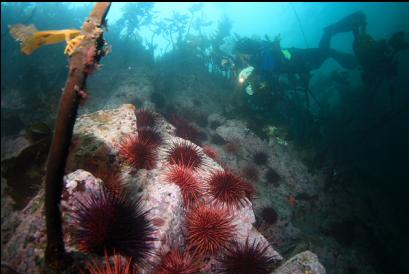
(106, 222)
(209, 229)
(183, 159)
(140, 150)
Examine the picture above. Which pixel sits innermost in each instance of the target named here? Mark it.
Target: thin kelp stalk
(299, 24)
(83, 60)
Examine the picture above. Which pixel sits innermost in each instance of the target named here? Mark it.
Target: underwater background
(329, 160)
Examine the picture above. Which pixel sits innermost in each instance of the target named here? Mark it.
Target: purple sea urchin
(149, 136)
(272, 177)
(260, 158)
(246, 259)
(269, 215)
(104, 222)
(185, 130)
(146, 118)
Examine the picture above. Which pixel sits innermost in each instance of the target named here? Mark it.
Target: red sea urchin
(185, 154)
(139, 153)
(146, 118)
(251, 173)
(191, 188)
(210, 152)
(104, 222)
(229, 190)
(177, 262)
(111, 177)
(118, 267)
(209, 230)
(246, 259)
(232, 147)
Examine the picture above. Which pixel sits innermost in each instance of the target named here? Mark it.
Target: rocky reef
(96, 152)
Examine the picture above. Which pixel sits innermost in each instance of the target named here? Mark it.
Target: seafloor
(292, 209)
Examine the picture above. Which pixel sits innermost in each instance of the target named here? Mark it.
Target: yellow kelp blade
(25, 35)
(31, 38)
(73, 44)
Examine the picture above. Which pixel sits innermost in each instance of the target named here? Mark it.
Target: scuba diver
(377, 58)
(264, 61)
(268, 68)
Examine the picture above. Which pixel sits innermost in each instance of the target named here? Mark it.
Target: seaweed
(55, 255)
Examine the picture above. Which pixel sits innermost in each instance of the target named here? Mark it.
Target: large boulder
(303, 263)
(96, 139)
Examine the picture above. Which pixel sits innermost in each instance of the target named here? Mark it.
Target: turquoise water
(343, 110)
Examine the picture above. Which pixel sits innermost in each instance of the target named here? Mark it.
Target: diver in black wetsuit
(265, 62)
(269, 59)
(376, 59)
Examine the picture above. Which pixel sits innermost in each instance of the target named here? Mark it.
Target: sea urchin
(269, 215)
(177, 262)
(251, 173)
(209, 230)
(104, 222)
(119, 266)
(146, 118)
(260, 158)
(186, 154)
(112, 179)
(139, 153)
(232, 147)
(191, 188)
(229, 190)
(210, 152)
(184, 129)
(246, 259)
(272, 177)
(149, 136)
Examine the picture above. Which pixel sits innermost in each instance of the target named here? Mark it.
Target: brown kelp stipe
(81, 65)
